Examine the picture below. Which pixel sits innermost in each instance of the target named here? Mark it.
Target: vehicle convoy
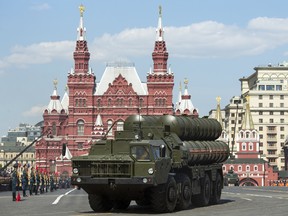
(165, 162)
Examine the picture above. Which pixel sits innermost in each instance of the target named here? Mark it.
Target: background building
(268, 93)
(91, 109)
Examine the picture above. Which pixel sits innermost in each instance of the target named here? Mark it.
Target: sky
(211, 43)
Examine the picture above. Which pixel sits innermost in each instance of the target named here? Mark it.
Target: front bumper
(88, 180)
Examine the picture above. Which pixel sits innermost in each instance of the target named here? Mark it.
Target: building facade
(91, 109)
(267, 89)
(247, 162)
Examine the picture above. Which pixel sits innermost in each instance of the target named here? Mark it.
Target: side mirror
(162, 151)
(63, 149)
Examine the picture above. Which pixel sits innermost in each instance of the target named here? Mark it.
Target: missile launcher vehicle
(164, 162)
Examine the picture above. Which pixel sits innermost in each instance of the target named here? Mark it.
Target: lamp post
(235, 125)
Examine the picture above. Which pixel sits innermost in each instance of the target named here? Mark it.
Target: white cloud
(268, 24)
(41, 53)
(34, 111)
(207, 39)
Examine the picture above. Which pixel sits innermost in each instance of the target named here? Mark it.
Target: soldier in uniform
(42, 182)
(37, 181)
(24, 180)
(14, 181)
(32, 181)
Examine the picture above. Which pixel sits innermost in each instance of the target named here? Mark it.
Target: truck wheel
(99, 203)
(164, 197)
(217, 190)
(143, 202)
(121, 204)
(184, 199)
(203, 198)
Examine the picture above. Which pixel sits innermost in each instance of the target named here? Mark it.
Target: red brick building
(91, 107)
(247, 162)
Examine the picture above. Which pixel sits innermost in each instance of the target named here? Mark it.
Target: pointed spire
(81, 29)
(185, 105)
(81, 53)
(65, 100)
(160, 54)
(247, 123)
(160, 31)
(180, 93)
(55, 103)
(218, 115)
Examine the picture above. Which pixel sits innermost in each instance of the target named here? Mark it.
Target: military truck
(231, 178)
(164, 162)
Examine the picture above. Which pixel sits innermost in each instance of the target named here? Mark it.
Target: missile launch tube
(188, 128)
(206, 152)
(185, 127)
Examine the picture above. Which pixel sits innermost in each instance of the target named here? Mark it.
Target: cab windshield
(141, 153)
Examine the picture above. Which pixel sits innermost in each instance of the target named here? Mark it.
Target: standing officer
(24, 180)
(14, 181)
(32, 181)
(37, 181)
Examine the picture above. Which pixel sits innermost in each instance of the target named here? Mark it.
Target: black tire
(203, 198)
(217, 190)
(164, 197)
(121, 204)
(99, 203)
(184, 199)
(143, 202)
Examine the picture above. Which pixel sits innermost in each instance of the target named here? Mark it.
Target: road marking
(59, 197)
(246, 199)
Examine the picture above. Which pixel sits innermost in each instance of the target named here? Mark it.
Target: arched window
(99, 102)
(120, 125)
(239, 168)
(247, 168)
(250, 146)
(109, 126)
(247, 134)
(243, 146)
(109, 102)
(130, 102)
(241, 134)
(54, 128)
(255, 168)
(80, 127)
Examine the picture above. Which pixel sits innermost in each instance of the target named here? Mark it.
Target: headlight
(150, 171)
(75, 171)
(78, 180)
(145, 180)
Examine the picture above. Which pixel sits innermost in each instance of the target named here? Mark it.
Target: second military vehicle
(164, 162)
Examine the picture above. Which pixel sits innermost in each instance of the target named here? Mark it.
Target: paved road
(236, 201)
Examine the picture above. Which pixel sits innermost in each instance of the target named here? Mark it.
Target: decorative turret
(185, 105)
(81, 54)
(218, 115)
(248, 136)
(247, 122)
(160, 80)
(160, 54)
(54, 104)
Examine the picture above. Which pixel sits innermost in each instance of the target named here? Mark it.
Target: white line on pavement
(59, 197)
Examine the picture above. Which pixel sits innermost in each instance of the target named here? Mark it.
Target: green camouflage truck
(165, 162)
